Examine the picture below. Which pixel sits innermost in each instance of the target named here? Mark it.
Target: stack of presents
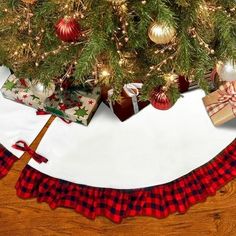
(80, 105)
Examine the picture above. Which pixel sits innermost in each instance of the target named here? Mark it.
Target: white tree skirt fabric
(151, 148)
(17, 122)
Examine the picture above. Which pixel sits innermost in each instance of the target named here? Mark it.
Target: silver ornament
(227, 70)
(42, 91)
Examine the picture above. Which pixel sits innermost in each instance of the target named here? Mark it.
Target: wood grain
(217, 216)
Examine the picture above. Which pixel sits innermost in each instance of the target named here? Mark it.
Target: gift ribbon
(132, 90)
(227, 96)
(22, 146)
(91, 82)
(42, 113)
(110, 93)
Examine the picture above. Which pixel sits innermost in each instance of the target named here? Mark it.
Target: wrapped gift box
(18, 90)
(77, 106)
(129, 104)
(221, 104)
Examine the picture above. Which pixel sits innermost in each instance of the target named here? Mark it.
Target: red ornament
(183, 84)
(68, 29)
(160, 100)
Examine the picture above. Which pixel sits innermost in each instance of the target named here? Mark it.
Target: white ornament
(227, 71)
(42, 91)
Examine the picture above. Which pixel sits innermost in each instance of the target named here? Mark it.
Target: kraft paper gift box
(221, 104)
(18, 90)
(129, 104)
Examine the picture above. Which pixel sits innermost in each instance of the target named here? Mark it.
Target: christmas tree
(117, 41)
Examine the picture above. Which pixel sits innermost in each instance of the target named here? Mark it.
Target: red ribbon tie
(22, 146)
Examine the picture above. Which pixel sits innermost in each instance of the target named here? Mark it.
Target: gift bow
(132, 90)
(22, 146)
(227, 96)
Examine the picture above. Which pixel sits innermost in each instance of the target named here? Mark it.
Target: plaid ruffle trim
(7, 159)
(158, 201)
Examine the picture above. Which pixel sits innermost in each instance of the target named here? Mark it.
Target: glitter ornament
(160, 100)
(68, 29)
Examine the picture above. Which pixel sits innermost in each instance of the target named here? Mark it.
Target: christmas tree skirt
(161, 167)
(152, 148)
(154, 164)
(16, 122)
(168, 163)
(157, 201)
(7, 160)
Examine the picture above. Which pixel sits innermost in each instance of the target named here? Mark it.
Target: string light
(194, 34)
(159, 66)
(120, 37)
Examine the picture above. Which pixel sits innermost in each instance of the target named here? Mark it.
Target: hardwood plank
(216, 216)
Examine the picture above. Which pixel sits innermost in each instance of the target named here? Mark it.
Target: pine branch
(225, 35)
(95, 46)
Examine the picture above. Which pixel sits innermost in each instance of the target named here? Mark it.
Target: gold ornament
(161, 33)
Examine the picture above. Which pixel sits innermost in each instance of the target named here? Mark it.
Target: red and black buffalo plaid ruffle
(7, 159)
(158, 201)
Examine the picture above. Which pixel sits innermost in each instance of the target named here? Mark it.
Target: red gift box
(130, 103)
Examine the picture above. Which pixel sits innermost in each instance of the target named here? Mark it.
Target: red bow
(22, 146)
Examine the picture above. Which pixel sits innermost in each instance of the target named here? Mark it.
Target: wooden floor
(217, 216)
